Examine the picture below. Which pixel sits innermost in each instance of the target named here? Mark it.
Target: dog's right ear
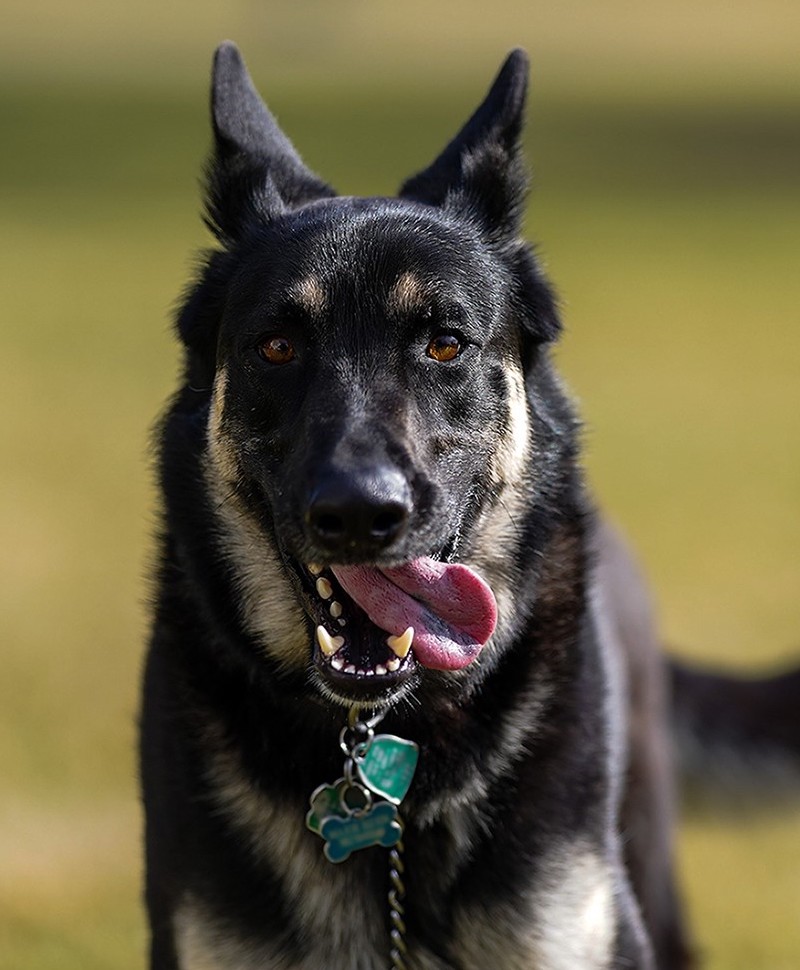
(255, 172)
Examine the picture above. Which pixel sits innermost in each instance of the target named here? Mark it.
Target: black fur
(362, 448)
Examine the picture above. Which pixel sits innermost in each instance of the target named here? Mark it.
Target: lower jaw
(352, 658)
(361, 689)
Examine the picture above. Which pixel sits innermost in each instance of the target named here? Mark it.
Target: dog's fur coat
(538, 828)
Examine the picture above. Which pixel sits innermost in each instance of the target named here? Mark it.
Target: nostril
(387, 522)
(328, 524)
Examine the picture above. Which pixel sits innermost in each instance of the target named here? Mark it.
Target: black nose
(359, 513)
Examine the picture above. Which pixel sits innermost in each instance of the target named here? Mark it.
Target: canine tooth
(335, 609)
(393, 664)
(402, 644)
(380, 670)
(350, 669)
(337, 663)
(314, 569)
(324, 588)
(328, 644)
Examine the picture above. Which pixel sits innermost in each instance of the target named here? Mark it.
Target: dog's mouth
(375, 625)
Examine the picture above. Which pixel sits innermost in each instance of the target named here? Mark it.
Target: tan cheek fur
(497, 530)
(268, 605)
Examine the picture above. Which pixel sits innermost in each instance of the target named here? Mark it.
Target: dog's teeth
(335, 609)
(337, 663)
(342, 621)
(402, 644)
(314, 569)
(380, 670)
(350, 669)
(324, 588)
(393, 664)
(328, 644)
(370, 673)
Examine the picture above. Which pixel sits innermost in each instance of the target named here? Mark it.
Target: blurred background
(665, 141)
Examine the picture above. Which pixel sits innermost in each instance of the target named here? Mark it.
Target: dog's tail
(736, 735)
(733, 734)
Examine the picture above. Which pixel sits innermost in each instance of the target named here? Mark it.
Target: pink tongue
(451, 608)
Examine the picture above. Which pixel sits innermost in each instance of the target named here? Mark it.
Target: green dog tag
(325, 803)
(388, 767)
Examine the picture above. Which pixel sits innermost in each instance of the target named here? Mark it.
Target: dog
(374, 509)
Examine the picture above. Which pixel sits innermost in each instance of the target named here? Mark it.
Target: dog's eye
(444, 347)
(276, 350)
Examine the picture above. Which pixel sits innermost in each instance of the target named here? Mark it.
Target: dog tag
(388, 767)
(376, 826)
(325, 802)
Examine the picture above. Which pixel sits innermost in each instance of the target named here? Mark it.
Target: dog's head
(375, 439)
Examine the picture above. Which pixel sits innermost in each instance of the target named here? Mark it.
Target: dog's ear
(481, 173)
(481, 176)
(255, 172)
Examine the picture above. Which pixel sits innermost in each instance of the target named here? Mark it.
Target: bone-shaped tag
(378, 826)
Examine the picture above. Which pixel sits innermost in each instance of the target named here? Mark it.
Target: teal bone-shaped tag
(388, 766)
(377, 826)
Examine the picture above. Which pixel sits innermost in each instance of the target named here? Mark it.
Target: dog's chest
(567, 929)
(335, 914)
(335, 926)
(338, 914)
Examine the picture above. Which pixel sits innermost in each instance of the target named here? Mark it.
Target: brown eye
(277, 350)
(444, 347)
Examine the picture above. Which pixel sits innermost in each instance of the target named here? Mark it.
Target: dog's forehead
(404, 254)
(408, 292)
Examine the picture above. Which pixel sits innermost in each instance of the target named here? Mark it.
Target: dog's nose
(359, 514)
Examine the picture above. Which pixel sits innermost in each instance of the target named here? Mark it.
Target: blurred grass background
(665, 141)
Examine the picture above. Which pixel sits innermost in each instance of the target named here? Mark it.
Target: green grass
(669, 222)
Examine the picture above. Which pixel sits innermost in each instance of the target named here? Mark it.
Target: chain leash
(398, 950)
(360, 810)
(397, 891)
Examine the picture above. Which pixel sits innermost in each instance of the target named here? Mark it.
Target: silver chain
(397, 892)
(398, 950)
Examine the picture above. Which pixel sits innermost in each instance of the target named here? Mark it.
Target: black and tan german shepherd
(373, 500)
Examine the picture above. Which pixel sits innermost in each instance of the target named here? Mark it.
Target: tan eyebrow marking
(409, 293)
(309, 294)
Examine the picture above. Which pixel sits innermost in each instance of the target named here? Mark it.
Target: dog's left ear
(255, 172)
(481, 176)
(481, 173)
